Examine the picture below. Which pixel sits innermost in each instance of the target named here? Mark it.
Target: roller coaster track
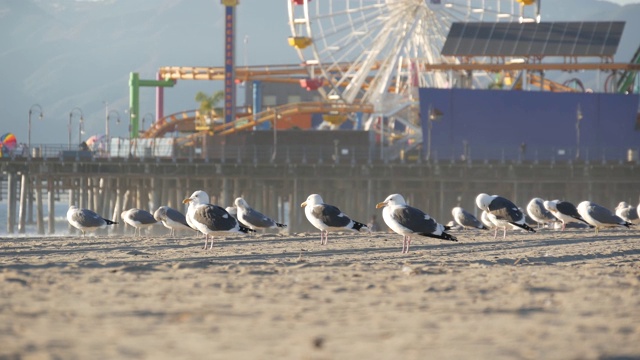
(185, 121)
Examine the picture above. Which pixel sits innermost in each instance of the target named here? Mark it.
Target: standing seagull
(208, 218)
(564, 211)
(406, 221)
(599, 216)
(466, 219)
(139, 219)
(539, 213)
(628, 213)
(327, 218)
(502, 212)
(253, 218)
(86, 220)
(172, 219)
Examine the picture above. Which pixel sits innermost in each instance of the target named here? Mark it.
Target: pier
(277, 188)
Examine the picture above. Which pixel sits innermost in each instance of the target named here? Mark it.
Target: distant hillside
(67, 53)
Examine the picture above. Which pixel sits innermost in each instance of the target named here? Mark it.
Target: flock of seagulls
(497, 213)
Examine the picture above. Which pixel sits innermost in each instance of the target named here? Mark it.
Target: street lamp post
(433, 115)
(69, 126)
(107, 117)
(143, 118)
(41, 116)
(578, 119)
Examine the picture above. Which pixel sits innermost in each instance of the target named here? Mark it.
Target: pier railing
(149, 149)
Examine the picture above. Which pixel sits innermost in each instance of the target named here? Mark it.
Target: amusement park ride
(367, 59)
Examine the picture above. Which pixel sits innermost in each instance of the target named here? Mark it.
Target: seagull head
(197, 198)
(622, 205)
(456, 210)
(232, 209)
(313, 199)
(391, 200)
(483, 200)
(241, 203)
(160, 214)
(550, 205)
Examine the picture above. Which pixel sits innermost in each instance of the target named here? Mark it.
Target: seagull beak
(381, 205)
(303, 204)
(186, 201)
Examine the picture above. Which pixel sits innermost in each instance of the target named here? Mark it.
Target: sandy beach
(549, 295)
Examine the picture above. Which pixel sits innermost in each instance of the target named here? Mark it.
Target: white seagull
(599, 216)
(209, 218)
(253, 218)
(466, 219)
(327, 218)
(502, 212)
(564, 211)
(139, 219)
(86, 220)
(172, 219)
(628, 213)
(406, 221)
(539, 213)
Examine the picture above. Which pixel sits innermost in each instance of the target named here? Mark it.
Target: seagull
(406, 221)
(208, 218)
(327, 218)
(253, 218)
(539, 213)
(599, 216)
(628, 213)
(86, 220)
(172, 219)
(138, 218)
(502, 212)
(466, 219)
(564, 211)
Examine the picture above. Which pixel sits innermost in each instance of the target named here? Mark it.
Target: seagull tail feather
(524, 226)
(246, 230)
(109, 222)
(358, 225)
(443, 236)
(281, 225)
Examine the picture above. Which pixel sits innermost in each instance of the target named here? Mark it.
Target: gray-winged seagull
(139, 219)
(253, 218)
(327, 218)
(209, 218)
(628, 213)
(539, 213)
(599, 216)
(86, 220)
(172, 219)
(564, 211)
(502, 212)
(466, 219)
(406, 221)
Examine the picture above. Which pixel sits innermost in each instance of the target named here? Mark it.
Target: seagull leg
(504, 233)
(563, 225)
(495, 232)
(206, 239)
(211, 246)
(408, 243)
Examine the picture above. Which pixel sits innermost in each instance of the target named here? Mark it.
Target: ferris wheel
(373, 51)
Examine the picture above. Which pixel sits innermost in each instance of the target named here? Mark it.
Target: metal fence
(155, 150)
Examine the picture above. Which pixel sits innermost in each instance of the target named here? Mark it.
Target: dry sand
(550, 295)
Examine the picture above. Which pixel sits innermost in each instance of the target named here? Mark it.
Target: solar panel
(589, 38)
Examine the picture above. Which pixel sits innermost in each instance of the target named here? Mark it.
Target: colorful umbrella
(95, 141)
(8, 142)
